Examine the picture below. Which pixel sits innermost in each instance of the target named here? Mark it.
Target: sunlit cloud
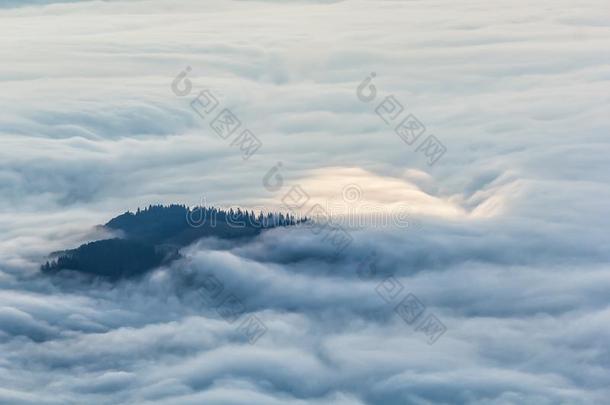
(510, 244)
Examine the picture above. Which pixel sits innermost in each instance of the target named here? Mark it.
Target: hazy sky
(510, 248)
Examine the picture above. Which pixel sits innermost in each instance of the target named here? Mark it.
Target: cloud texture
(509, 249)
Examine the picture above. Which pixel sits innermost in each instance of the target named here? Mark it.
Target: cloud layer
(505, 239)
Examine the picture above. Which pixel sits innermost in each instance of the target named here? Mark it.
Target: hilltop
(153, 236)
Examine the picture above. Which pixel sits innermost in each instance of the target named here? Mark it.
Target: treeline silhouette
(113, 258)
(152, 236)
(181, 224)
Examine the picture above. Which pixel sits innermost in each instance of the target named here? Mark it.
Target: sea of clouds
(506, 241)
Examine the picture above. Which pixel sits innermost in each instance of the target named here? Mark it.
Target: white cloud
(511, 254)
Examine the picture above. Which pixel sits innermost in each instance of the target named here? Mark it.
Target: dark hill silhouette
(113, 258)
(153, 236)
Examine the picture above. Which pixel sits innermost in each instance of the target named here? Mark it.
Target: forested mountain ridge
(154, 235)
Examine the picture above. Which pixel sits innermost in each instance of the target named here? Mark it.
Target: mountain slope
(153, 236)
